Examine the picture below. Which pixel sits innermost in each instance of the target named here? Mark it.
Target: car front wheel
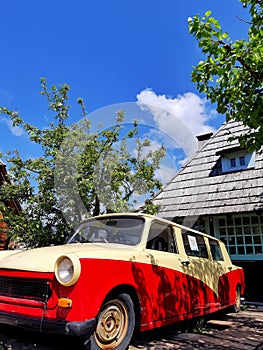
(115, 324)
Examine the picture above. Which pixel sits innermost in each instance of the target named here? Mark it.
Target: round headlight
(67, 270)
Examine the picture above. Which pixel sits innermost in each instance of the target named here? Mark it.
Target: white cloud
(189, 108)
(15, 130)
(182, 118)
(166, 173)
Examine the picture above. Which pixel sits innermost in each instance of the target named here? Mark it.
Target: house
(220, 192)
(12, 204)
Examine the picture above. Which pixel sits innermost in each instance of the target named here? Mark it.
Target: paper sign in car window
(193, 243)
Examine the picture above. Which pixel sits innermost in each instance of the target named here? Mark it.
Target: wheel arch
(131, 291)
(239, 285)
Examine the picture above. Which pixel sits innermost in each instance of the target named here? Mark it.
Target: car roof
(152, 217)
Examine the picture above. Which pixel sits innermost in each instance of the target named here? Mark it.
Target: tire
(237, 306)
(115, 325)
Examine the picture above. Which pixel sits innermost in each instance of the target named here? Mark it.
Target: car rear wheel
(115, 324)
(236, 308)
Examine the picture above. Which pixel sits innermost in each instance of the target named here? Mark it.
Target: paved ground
(243, 331)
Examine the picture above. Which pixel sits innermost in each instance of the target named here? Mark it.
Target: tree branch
(241, 61)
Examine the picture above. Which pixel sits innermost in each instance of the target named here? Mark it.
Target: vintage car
(118, 272)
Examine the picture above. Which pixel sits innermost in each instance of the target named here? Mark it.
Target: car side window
(215, 250)
(194, 244)
(161, 238)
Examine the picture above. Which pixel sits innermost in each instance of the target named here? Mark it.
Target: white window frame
(242, 236)
(227, 159)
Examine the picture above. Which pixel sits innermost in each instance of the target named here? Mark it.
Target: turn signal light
(65, 302)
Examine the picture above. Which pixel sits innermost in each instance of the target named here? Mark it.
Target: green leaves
(76, 168)
(231, 75)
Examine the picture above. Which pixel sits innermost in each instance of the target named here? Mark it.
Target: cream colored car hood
(44, 259)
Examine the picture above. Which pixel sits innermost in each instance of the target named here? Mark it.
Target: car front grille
(24, 288)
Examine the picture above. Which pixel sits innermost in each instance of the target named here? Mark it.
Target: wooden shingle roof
(198, 189)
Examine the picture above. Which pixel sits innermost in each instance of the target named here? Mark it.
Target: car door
(168, 277)
(203, 273)
(222, 267)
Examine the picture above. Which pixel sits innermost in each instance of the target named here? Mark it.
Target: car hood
(44, 259)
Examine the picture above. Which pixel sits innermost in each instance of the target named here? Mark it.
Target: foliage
(231, 75)
(106, 173)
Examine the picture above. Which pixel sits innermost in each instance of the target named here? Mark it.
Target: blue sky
(109, 52)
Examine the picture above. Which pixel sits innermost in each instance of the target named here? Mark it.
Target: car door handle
(185, 262)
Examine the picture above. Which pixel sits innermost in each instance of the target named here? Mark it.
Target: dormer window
(235, 159)
(237, 162)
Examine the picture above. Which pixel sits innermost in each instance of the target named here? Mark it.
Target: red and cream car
(118, 272)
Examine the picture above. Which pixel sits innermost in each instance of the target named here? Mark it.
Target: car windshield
(116, 229)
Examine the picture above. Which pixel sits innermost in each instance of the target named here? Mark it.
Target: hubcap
(112, 325)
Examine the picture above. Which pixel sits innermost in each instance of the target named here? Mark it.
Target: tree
(78, 174)
(231, 75)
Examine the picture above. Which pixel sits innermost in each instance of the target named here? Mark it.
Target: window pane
(222, 222)
(242, 161)
(247, 230)
(232, 240)
(240, 240)
(241, 250)
(238, 221)
(254, 219)
(249, 249)
(257, 240)
(222, 231)
(223, 239)
(116, 229)
(161, 238)
(246, 220)
(194, 244)
(232, 251)
(248, 239)
(258, 249)
(239, 230)
(230, 231)
(215, 250)
(256, 230)
(233, 162)
(229, 221)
